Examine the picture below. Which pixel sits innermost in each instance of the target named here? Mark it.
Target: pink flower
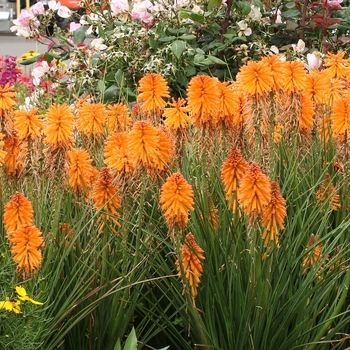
(23, 19)
(118, 6)
(37, 9)
(74, 26)
(142, 11)
(64, 12)
(313, 62)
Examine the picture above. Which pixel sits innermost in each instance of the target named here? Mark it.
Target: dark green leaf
(101, 86)
(111, 93)
(79, 35)
(167, 38)
(291, 13)
(178, 47)
(213, 3)
(190, 71)
(187, 37)
(119, 77)
(243, 7)
(216, 60)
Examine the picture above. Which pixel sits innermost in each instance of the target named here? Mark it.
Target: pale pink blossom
(37, 9)
(119, 6)
(98, 44)
(23, 19)
(39, 72)
(142, 11)
(313, 61)
(74, 26)
(54, 5)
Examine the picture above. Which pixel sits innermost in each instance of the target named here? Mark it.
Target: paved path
(16, 46)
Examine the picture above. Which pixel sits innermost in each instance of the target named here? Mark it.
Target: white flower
(299, 47)
(197, 9)
(98, 44)
(243, 28)
(64, 12)
(274, 49)
(54, 5)
(255, 14)
(39, 72)
(23, 32)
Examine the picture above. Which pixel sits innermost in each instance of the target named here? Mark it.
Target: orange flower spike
(327, 192)
(117, 154)
(176, 199)
(117, 118)
(229, 101)
(312, 256)
(256, 78)
(232, 171)
(7, 95)
(59, 125)
(105, 197)
(143, 141)
(165, 149)
(254, 191)
(278, 70)
(203, 98)
(192, 254)
(91, 118)
(12, 149)
(340, 117)
(274, 215)
(152, 87)
(80, 170)
(315, 86)
(2, 152)
(26, 242)
(17, 212)
(176, 116)
(306, 115)
(335, 64)
(28, 123)
(296, 77)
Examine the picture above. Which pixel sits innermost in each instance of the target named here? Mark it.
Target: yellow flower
(26, 242)
(176, 199)
(17, 212)
(11, 305)
(176, 116)
(256, 78)
(232, 172)
(254, 191)
(7, 95)
(152, 88)
(22, 295)
(274, 215)
(28, 124)
(192, 254)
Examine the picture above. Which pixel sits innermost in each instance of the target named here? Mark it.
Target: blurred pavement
(10, 44)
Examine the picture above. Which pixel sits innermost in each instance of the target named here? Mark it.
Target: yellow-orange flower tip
(312, 256)
(203, 98)
(340, 117)
(143, 142)
(81, 172)
(295, 78)
(192, 254)
(327, 192)
(7, 95)
(176, 199)
(176, 115)
(274, 215)
(335, 64)
(254, 191)
(116, 152)
(232, 171)
(255, 78)
(105, 198)
(17, 212)
(152, 88)
(91, 118)
(59, 125)
(26, 242)
(2, 152)
(28, 123)
(278, 68)
(117, 118)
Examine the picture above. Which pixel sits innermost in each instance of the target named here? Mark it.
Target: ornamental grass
(239, 187)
